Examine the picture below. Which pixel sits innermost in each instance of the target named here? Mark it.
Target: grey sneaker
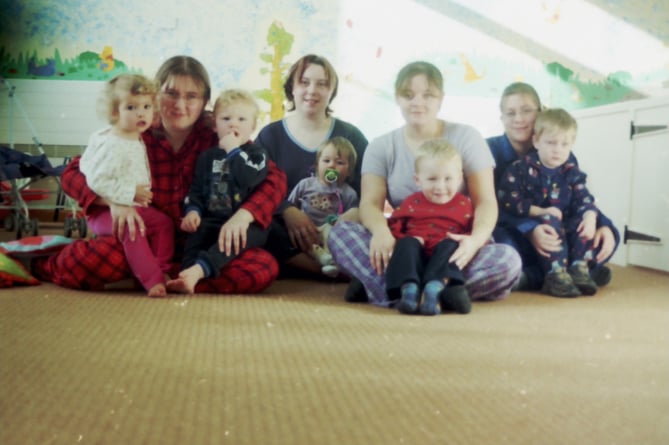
(560, 284)
(580, 275)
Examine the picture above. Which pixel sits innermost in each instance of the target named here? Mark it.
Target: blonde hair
(228, 97)
(344, 149)
(436, 149)
(116, 88)
(554, 119)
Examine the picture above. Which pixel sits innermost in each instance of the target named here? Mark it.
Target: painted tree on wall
(280, 42)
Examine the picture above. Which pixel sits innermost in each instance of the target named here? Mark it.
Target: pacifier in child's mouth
(331, 175)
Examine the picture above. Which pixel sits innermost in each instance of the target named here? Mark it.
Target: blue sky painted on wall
(577, 53)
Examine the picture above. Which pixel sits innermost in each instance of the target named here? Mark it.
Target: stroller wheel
(82, 227)
(28, 227)
(34, 227)
(67, 226)
(10, 222)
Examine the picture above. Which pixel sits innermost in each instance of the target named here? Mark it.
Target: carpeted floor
(297, 365)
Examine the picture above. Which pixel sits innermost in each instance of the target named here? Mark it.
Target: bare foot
(178, 285)
(186, 281)
(158, 291)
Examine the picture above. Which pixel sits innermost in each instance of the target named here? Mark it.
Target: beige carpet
(297, 365)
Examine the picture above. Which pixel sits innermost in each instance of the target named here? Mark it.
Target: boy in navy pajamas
(548, 186)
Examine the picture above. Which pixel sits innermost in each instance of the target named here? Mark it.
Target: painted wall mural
(577, 53)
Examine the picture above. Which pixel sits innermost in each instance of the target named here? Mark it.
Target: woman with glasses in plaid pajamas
(173, 145)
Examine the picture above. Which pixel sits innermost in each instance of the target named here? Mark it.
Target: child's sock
(409, 298)
(430, 304)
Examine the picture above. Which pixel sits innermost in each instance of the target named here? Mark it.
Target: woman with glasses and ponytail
(519, 107)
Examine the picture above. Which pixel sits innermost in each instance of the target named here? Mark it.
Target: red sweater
(418, 217)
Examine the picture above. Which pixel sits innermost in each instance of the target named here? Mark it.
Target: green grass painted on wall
(88, 65)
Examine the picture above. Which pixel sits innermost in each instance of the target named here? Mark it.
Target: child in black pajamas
(224, 177)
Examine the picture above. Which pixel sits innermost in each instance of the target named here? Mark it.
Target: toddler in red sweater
(421, 225)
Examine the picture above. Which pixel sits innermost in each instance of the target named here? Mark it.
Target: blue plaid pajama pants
(489, 276)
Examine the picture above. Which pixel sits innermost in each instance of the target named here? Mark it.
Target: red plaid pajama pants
(90, 264)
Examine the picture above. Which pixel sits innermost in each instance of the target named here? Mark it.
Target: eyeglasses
(525, 112)
(174, 96)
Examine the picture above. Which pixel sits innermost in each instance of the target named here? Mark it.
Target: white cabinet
(624, 148)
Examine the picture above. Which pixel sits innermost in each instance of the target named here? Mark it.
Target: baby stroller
(18, 173)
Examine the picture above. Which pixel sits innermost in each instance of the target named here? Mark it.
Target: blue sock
(409, 290)
(433, 288)
(430, 305)
(409, 298)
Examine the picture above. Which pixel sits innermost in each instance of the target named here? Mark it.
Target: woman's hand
(302, 231)
(545, 240)
(123, 216)
(605, 241)
(232, 237)
(467, 248)
(380, 250)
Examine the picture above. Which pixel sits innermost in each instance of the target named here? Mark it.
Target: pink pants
(148, 256)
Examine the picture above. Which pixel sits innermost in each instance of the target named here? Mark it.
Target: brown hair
(520, 88)
(413, 69)
(297, 71)
(184, 66)
(110, 99)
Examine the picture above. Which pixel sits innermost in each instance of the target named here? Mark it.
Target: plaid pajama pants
(90, 264)
(489, 276)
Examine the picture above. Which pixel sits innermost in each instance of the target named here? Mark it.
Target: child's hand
(191, 222)
(143, 195)
(420, 240)
(230, 141)
(586, 229)
(553, 211)
(536, 211)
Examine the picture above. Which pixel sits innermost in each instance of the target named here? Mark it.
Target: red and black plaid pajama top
(90, 264)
